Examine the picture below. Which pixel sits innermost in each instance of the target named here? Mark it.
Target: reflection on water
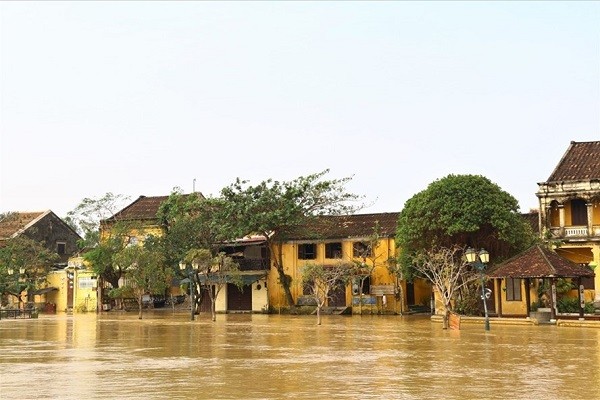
(117, 356)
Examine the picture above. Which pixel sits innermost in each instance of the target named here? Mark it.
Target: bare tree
(448, 271)
(321, 280)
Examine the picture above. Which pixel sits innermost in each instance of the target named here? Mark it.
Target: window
(578, 212)
(513, 289)
(307, 251)
(333, 250)
(361, 250)
(61, 248)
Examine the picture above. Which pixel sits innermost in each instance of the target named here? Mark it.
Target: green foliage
(23, 253)
(144, 270)
(190, 222)
(571, 305)
(464, 210)
(101, 256)
(274, 209)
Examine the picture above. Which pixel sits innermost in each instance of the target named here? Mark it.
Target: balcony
(261, 264)
(575, 232)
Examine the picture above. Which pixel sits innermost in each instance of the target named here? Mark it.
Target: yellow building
(247, 252)
(366, 239)
(570, 209)
(77, 287)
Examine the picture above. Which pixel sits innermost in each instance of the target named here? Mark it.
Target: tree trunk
(286, 286)
(446, 316)
(140, 298)
(213, 310)
(318, 315)
(277, 259)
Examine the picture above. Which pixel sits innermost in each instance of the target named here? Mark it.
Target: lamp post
(190, 272)
(479, 261)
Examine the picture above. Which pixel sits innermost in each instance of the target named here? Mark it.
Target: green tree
(274, 209)
(86, 216)
(465, 210)
(321, 280)
(101, 256)
(143, 266)
(190, 223)
(213, 272)
(24, 254)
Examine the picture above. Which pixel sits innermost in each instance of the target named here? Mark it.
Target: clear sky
(138, 97)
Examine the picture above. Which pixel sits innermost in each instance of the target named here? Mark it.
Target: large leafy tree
(143, 266)
(35, 260)
(274, 209)
(191, 224)
(465, 210)
(100, 257)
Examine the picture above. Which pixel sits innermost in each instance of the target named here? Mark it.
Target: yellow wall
(379, 276)
(84, 288)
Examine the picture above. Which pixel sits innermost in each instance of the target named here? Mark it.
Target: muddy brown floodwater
(166, 356)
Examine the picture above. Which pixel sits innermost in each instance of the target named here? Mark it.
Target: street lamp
(190, 272)
(479, 261)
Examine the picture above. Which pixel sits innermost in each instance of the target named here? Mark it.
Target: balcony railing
(574, 231)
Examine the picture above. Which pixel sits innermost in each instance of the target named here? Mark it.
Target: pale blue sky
(139, 97)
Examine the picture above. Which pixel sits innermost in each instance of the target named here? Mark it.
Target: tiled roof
(539, 262)
(532, 218)
(143, 208)
(346, 226)
(581, 162)
(16, 222)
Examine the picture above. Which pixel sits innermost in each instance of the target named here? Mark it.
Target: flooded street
(117, 356)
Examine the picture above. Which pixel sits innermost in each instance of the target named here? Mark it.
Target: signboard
(380, 290)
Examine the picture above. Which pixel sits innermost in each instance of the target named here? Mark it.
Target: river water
(240, 356)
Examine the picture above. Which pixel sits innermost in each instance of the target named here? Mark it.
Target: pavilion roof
(539, 262)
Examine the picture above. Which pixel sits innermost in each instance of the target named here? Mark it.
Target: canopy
(44, 290)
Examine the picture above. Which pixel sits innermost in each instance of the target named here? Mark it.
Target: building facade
(569, 203)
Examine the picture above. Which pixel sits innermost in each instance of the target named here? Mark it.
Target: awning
(44, 290)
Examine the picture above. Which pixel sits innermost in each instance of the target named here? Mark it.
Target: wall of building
(380, 275)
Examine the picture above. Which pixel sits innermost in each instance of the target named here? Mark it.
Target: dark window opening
(578, 212)
(513, 289)
(361, 250)
(307, 251)
(333, 250)
(61, 248)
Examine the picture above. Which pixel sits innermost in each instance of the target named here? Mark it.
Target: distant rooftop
(143, 208)
(16, 222)
(347, 226)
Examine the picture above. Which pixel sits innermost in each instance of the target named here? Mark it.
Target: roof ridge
(546, 258)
